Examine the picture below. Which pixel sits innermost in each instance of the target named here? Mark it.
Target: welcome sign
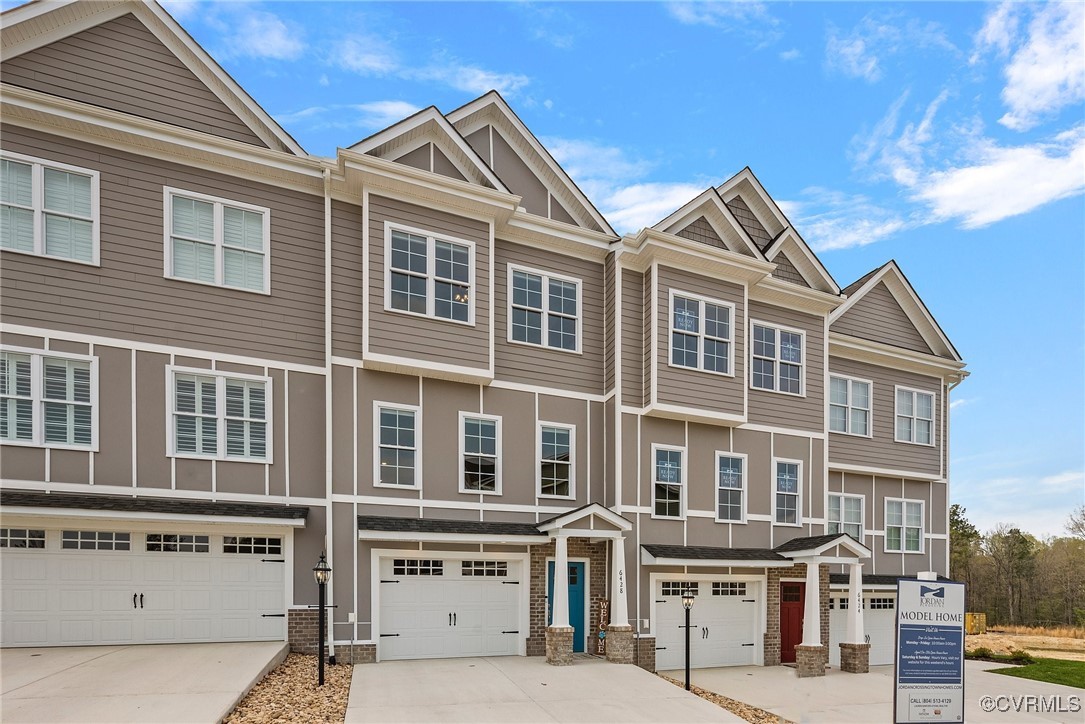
(930, 652)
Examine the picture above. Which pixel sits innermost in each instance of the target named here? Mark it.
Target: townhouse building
(433, 360)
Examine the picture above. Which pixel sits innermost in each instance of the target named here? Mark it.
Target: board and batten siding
(347, 290)
(122, 66)
(784, 410)
(416, 338)
(128, 296)
(694, 388)
(632, 358)
(537, 364)
(878, 317)
(646, 336)
(882, 450)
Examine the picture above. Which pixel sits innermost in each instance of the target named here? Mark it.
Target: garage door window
(677, 588)
(417, 567)
(95, 540)
(488, 569)
(728, 588)
(883, 604)
(256, 546)
(21, 538)
(177, 543)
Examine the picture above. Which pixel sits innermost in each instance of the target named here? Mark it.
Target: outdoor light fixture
(323, 573)
(687, 603)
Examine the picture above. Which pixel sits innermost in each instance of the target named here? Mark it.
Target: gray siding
(773, 408)
(749, 222)
(881, 450)
(786, 271)
(646, 336)
(518, 177)
(538, 365)
(121, 65)
(127, 297)
(700, 230)
(609, 293)
(879, 318)
(632, 311)
(346, 280)
(423, 339)
(443, 166)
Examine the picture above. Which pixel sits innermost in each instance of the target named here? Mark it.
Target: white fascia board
(885, 472)
(86, 514)
(855, 547)
(647, 559)
(704, 203)
(409, 537)
(441, 370)
(693, 414)
(594, 509)
(562, 237)
(792, 237)
(650, 246)
(885, 355)
(747, 175)
(776, 291)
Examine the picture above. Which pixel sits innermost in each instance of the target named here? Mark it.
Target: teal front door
(576, 601)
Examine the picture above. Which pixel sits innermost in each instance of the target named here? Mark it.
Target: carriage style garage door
(442, 608)
(724, 621)
(80, 587)
(879, 623)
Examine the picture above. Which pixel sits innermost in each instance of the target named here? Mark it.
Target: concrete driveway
(519, 689)
(842, 697)
(153, 684)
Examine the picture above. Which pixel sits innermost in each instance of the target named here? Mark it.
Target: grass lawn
(1054, 671)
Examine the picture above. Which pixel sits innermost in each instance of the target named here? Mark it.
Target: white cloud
(371, 116)
(363, 54)
(998, 31)
(859, 52)
(748, 17)
(792, 54)
(260, 34)
(180, 9)
(1069, 480)
(852, 56)
(473, 79)
(831, 220)
(960, 402)
(630, 208)
(379, 114)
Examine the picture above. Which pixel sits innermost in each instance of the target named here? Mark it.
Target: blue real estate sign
(930, 652)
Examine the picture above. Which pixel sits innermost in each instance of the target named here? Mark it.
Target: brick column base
(559, 645)
(855, 658)
(620, 644)
(809, 661)
(645, 656)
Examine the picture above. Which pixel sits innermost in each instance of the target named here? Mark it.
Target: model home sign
(930, 651)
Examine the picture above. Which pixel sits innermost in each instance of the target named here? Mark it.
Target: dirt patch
(1046, 646)
(747, 712)
(289, 693)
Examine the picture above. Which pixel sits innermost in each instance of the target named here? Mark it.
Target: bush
(978, 653)
(1021, 657)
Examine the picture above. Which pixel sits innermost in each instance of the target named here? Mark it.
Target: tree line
(1016, 578)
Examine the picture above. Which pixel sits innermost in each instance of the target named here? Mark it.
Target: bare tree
(1075, 524)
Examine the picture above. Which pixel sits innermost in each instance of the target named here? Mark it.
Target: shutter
(243, 269)
(192, 260)
(194, 219)
(243, 229)
(16, 183)
(67, 193)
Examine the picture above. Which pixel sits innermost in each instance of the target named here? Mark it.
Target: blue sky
(947, 136)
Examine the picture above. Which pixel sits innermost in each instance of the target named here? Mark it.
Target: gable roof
(37, 24)
(710, 205)
(129, 504)
(803, 259)
(764, 207)
(816, 544)
(492, 108)
(586, 511)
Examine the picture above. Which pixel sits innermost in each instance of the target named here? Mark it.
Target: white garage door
(879, 622)
(724, 621)
(443, 608)
(80, 587)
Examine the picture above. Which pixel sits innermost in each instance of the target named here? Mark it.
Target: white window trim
(220, 414)
(701, 335)
(683, 490)
(377, 407)
(776, 369)
(862, 512)
(168, 192)
(38, 204)
(745, 485)
(37, 392)
(546, 276)
(904, 526)
(914, 417)
(538, 460)
(798, 501)
(431, 238)
(870, 410)
(463, 452)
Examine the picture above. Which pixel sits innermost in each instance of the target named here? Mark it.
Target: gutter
(329, 637)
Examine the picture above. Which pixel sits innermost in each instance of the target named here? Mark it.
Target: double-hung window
(555, 460)
(903, 526)
(787, 500)
(48, 398)
(777, 363)
(397, 446)
(429, 276)
(701, 333)
(668, 482)
(915, 416)
(480, 454)
(730, 488)
(217, 241)
(845, 515)
(544, 309)
(49, 209)
(219, 416)
(849, 406)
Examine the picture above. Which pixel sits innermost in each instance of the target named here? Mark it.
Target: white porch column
(811, 622)
(856, 635)
(619, 606)
(561, 582)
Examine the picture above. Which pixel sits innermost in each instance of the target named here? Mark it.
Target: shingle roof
(706, 553)
(855, 285)
(809, 542)
(178, 506)
(434, 525)
(871, 579)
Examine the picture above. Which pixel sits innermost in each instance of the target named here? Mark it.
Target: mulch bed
(289, 693)
(747, 712)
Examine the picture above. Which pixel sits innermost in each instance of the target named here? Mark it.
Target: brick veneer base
(855, 658)
(559, 645)
(620, 644)
(810, 661)
(301, 630)
(772, 610)
(596, 553)
(644, 652)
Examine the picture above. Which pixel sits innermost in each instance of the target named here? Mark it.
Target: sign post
(929, 665)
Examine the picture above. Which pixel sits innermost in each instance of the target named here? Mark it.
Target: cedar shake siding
(415, 338)
(700, 230)
(632, 357)
(128, 297)
(541, 365)
(346, 280)
(786, 270)
(878, 317)
(784, 410)
(122, 66)
(749, 222)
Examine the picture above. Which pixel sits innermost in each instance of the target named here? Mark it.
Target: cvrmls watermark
(1021, 703)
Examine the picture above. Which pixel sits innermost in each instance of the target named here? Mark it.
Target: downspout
(328, 539)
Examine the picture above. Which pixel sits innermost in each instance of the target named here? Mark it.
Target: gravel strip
(747, 712)
(289, 693)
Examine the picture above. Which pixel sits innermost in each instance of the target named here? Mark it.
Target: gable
(702, 231)
(706, 220)
(749, 222)
(878, 316)
(121, 65)
(786, 271)
(428, 157)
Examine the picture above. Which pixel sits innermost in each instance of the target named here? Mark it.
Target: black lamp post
(322, 573)
(687, 603)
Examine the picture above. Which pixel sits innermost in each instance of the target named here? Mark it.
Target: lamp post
(687, 603)
(322, 573)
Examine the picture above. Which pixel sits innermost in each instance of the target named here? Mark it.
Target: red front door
(792, 597)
